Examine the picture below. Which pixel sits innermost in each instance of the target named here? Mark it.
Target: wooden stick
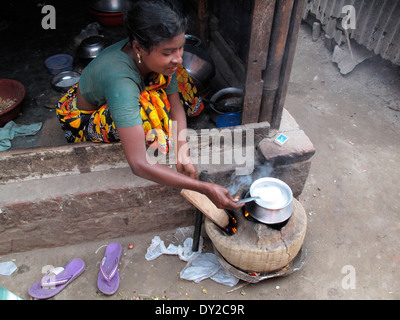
(201, 202)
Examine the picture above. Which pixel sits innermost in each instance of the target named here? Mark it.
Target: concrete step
(71, 209)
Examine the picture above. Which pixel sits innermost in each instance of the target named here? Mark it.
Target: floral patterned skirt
(98, 126)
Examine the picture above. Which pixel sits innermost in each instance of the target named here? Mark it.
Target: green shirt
(113, 78)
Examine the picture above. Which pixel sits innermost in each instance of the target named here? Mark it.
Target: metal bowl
(65, 80)
(111, 5)
(91, 47)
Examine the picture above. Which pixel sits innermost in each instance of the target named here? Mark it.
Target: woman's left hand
(184, 164)
(186, 167)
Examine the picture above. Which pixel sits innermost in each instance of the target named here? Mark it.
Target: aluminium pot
(91, 47)
(199, 65)
(275, 204)
(111, 5)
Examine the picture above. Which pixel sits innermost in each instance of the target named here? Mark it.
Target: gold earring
(139, 58)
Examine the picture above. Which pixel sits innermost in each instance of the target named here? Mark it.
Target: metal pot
(111, 5)
(199, 65)
(192, 40)
(91, 47)
(275, 204)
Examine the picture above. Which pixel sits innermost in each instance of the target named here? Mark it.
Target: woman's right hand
(221, 197)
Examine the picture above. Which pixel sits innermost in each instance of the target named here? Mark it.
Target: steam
(241, 183)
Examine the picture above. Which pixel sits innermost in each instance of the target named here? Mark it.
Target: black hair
(150, 22)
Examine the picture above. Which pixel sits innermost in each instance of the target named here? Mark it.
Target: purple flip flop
(51, 283)
(108, 279)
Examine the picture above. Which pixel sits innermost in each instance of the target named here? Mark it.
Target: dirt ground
(352, 193)
(351, 199)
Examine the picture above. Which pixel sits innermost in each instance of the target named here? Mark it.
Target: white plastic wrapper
(200, 266)
(158, 248)
(206, 265)
(7, 268)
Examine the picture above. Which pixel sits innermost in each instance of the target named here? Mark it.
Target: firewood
(207, 207)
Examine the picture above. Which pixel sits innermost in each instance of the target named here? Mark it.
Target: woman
(129, 93)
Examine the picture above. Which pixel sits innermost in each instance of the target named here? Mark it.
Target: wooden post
(297, 14)
(276, 52)
(203, 16)
(274, 34)
(263, 15)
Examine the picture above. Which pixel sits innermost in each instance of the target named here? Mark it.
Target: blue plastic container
(59, 62)
(229, 119)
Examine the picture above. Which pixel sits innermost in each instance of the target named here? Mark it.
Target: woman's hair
(150, 22)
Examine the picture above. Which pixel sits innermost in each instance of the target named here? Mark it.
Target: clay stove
(249, 249)
(256, 250)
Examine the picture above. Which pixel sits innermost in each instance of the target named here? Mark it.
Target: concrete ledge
(89, 216)
(78, 158)
(72, 159)
(297, 148)
(291, 161)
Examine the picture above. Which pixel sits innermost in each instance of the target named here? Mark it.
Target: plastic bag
(158, 248)
(200, 266)
(223, 276)
(7, 268)
(206, 265)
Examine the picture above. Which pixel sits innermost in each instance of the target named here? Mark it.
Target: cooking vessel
(91, 47)
(199, 65)
(226, 101)
(65, 80)
(192, 40)
(111, 5)
(275, 202)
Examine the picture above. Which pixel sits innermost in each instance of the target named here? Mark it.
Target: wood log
(205, 205)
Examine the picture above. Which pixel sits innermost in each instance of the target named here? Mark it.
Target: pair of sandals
(107, 282)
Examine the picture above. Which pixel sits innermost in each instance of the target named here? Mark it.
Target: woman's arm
(133, 143)
(183, 162)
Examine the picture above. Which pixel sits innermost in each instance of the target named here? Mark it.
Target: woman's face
(165, 57)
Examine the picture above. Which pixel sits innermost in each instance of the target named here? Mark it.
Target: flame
(233, 225)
